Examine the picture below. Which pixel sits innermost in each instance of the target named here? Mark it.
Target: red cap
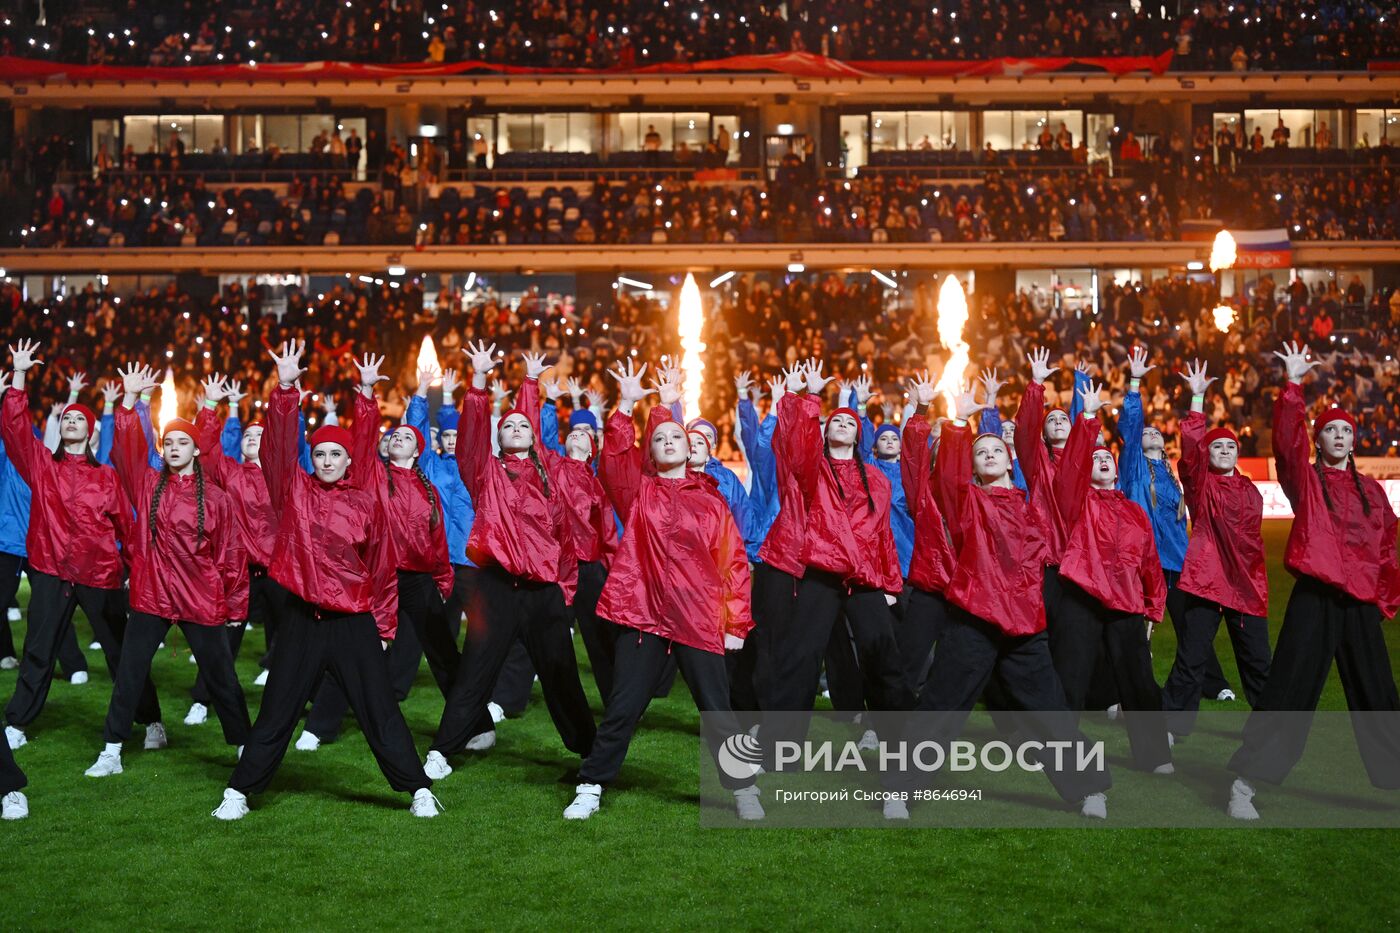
(700, 434)
(514, 411)
(1330, 415)
(180, 425)
(83, 410)
(1050, 411)
(1099, 447)
(1220, 434)
(331, 434)
(417, 435)
(845, 411)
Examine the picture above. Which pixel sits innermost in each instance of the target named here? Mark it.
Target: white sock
(114, 748)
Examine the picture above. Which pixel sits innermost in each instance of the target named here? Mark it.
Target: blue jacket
(901, 522)
(231, 440)
(442, 472)
(107, 437)
(740, 505)
(1142, 480)
(14, 508)
(757, 440)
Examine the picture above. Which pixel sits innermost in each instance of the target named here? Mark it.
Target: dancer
(187, 569)
(680, 581)
(529, 572)
(1224, 571)
(1341, 549)
(333, 556)
(77, 514)
(419, 544)
(999, 629)
(1110, 580)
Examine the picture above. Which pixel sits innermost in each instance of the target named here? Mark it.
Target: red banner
(795, 64)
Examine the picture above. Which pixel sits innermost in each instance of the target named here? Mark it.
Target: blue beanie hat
(582, 418)
(892, 429)
(447, 420)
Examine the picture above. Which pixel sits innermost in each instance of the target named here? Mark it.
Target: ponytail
(429, 491)
(1355, 479)
(198, 501)
(539, 468)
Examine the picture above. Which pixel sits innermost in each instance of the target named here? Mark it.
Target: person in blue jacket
(755, 437)
(990, 422)
(1146, 477)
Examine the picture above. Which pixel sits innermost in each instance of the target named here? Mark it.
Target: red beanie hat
(1330, 415)
(845, 411)
(1050, 411)
(83, 410)
(700, 434)
(180, 425)
(1220, 434)
(417, 435)
(331, 434)
(1099, 447)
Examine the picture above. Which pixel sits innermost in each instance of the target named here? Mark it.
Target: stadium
(690, 384)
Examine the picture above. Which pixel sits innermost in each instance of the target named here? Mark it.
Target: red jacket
(418, 529)
(77, 512)
(1111, 553)
(1225, 557)
(681, 572)
(787, 537)
(247, 493)
(591, 523)
(999, 576)
(1341, 546)
(517, 527)
(845, 536)
(333, 544)
(1038, 465)
(177, 574)
(931, 567)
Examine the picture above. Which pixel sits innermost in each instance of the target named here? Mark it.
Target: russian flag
(1262, 249)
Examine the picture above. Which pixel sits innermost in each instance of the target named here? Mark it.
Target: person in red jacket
(418, 532)
(1341, 550)
(187, 569)
(1224, 571)
(334, 558)
(680, 582)
(520, 539)
(77, 517)
(996, 536)
(252, 513)
(1110, 580)
(850, 563)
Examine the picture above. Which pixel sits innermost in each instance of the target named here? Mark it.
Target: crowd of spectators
(1211, 35)
(757, 324)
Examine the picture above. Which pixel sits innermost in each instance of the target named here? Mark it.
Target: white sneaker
(1167, 768)
(106, 765)
(94, 646)
(79, 678)
(15, 737)
(155, 737)
(261, 679)
(1095, 806)
(436, 766)
(198, 715)
(9, 664)
(1113, 711)
(1241, 806)
(497, 714)
(482, 741)
(14, 806)
(746, 802)
(425, 804)
(307, 742)
(13, 614)
(585, 802)
(896, 809)
(233, 807)
(869, 741)
(1226, 695)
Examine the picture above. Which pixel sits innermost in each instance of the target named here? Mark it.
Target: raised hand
(575, 390)
(795, 379)
(629, 382)
(288, 362)
(921, 389)
(22, 355)
(534, 364)
(111, 391)
(594, 398)
(1093, 401)
(56, 410)
(815, 380)
(451, 381)
(499, 392)
(369, 372)
(136, 379)
(991, 385)
(1040, 364)
(743, 384)
(862, 389)
(552, 390)
(76, 384)
(1082, 368)
(1137, 363)
(215, 388)
(482, 357)
(302, 394)
(1196, 378)
(234, 393)
(670, 388)
(1296, 362)
(426, 375)
(965, 404)
(777, 387)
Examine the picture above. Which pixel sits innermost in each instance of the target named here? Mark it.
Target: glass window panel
(957, 130)
(693, 129)
(886, 130)
(1067, 121)
(996, 129)
(852, 144)
(314, 124)
(518, 132)
(282, 131)
(208, 133)
(924, 129)
(1098, 129)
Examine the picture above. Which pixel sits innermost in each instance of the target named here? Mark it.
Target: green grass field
(331, 847)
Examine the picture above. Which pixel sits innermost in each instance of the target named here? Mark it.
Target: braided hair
(198, 500)
(428, 489)
(864, 480)
(539, 468)
(1152, 488)
(1355, 479)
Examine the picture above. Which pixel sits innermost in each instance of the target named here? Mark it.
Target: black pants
(311, 643)
(969, 652)
(52, 603)
(515, 681)
(11, 777)
(599, 635)
(70, 656)
(144, 634)
(1322, 623)
(774, 601)
(1196, 626)
(510, 606)
(843, 672)
(640, 658)
(914, 634)
(1213, 680)
(199, 693)
(1086, 631)
(462, 599)
(422, 628)
(264, 608)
